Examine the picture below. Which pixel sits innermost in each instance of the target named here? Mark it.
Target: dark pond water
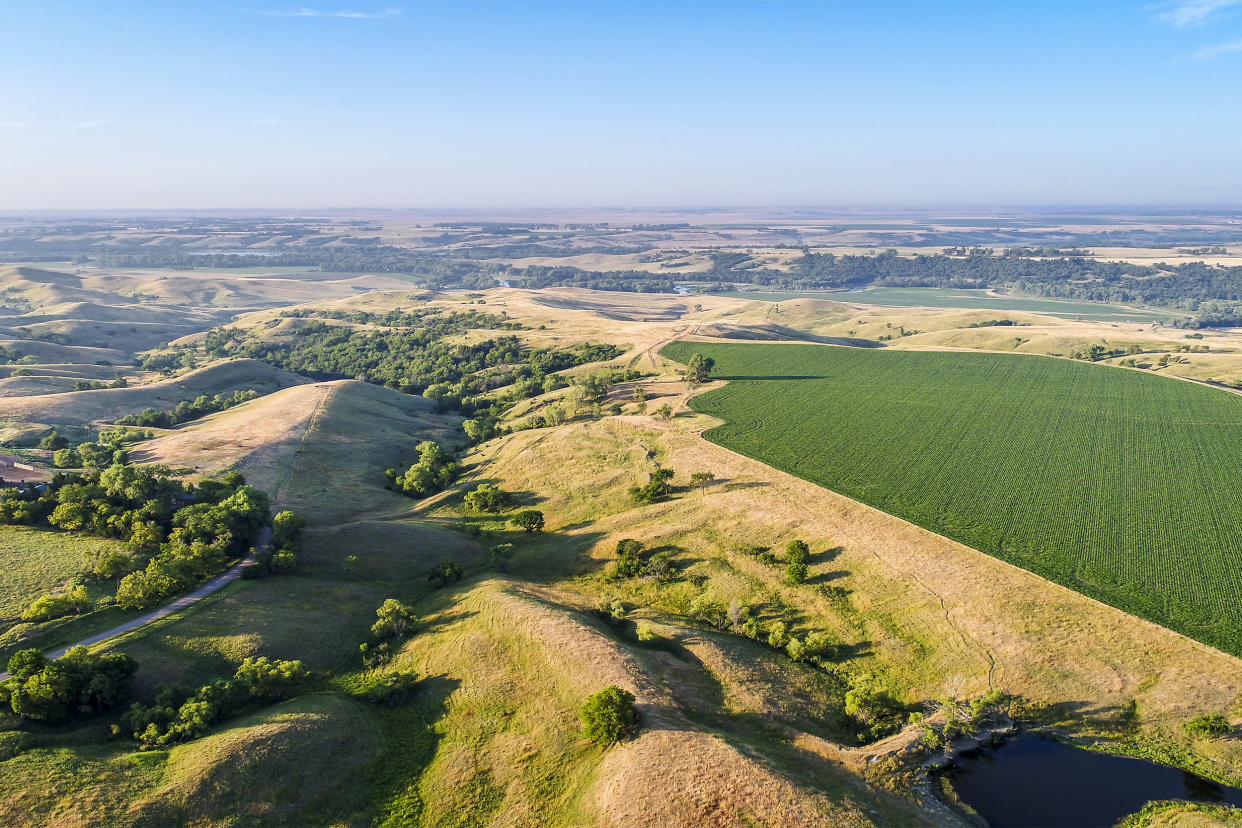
(1033, 782)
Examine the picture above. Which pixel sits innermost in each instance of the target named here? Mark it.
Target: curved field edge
(1111, 483)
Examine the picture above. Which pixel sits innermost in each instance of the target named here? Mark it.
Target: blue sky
(315, 104)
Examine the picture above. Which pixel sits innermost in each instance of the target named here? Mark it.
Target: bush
(47, 607)
(646, 632)
(608, 714)
(54, 441)
(446, 573)
(1208, 726)
(394, 689)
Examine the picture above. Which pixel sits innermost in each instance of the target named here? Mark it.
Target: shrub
(1208, 726)
(608, 714)
(47, 607)
(53, 441)
(646, 632)
(446, 573)
(394, 689)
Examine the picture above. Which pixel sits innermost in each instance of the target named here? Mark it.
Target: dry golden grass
(927, 609)
(77, 407)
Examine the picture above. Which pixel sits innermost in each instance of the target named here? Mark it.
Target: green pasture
(36, 561)
(1112, 482)
(964, 298)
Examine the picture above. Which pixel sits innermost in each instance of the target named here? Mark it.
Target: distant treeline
(1213, 293)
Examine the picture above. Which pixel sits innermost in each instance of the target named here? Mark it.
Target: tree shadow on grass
(826, 577)
(828, 555)
(751, 484)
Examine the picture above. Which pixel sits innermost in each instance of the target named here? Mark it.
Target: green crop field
(1115, 483)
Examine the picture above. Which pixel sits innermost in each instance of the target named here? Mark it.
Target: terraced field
(1115, 483)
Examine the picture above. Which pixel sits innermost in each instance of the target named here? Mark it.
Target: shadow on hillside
(751, 484)
(827, 556)
(442, 621)
(825, 577)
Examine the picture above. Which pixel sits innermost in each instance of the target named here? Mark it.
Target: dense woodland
(175, 534)
(416, 361)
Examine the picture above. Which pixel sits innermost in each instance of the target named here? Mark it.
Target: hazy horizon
(897, 108)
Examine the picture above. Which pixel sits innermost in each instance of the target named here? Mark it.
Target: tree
(608, 714)
(702, 480)
(499, 556)
(67, 458)
(394, 618)
(529, 519)
(629, 562)
(698, 369)
(287, 529)
(664, 412)
(485, 498)
(446, 573)
(707, 608)
(660, 567)
(54, 441)
(797, 558)
(350, 564)
(594, 387)
(658, 485)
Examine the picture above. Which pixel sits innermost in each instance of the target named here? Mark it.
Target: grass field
(965, 298)
(1111, 482)
(36, 561)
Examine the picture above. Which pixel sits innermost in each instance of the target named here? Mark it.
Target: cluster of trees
(949, 718)
(109, 452)
(169, 546)
(79, 684)
(630, 563)
(179, 714)
(282, 556)
(186, 410)
(435, 470)
(486, 498)
(96, 385)
(164, 362)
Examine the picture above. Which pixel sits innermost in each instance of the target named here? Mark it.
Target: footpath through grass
(1120, 485)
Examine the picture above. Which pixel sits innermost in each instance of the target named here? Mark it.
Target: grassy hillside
(35, 562)
(77, 407)
(1108, 481)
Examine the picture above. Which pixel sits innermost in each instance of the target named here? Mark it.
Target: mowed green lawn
(1116, 483)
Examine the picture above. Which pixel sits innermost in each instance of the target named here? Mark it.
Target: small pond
(1037, 782)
